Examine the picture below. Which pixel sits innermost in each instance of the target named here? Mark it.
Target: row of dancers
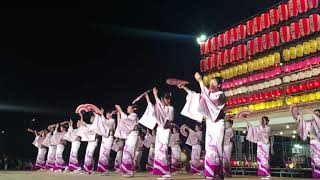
(129, 136)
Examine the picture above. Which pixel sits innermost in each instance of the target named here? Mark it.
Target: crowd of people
(156, 130)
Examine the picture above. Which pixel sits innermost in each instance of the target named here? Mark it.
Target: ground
(29, 175)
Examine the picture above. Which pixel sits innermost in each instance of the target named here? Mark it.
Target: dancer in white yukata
(42, 151)
(174, 143)
(127, 129)
(74, 137)
(149, 143)
(138, 153)
(261, 135)
(57, 139)
(117, 147)
(51, 156)
(312, 129)
(227, 148)
(209, 106)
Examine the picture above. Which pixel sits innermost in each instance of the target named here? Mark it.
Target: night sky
(53, 59)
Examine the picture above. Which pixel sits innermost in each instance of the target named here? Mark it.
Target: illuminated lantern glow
(274, 38)
(215, 43)
(313, 4)
(209, 45)
(258, 44)
(266, 41)
(250, 27)
(310, 85)
(242, 51)
(221, 58)
(302, 6)
(265, 20)
(257, 24)
(306, 49)
(293, 8)
(313, 48)
(304, 26)
(234, 53)
(295, 30)
(209, 63)
(250, 46)
(242, 31)
(277, 58)
(300, 49)
(317, 83)
(285, 35)
(289, 90)
(221, 40)
(303, 87)
(314, 20)
(228, 39)
(293, 52)
(234, 35)
(215, 60)
(295, 88)
(227, 55)
(286, 54)
(274, 16)
(283, 12)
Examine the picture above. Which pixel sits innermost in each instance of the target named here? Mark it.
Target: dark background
(53, 59)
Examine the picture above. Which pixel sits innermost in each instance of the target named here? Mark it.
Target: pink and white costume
(41, 156)
(138, 154)
(73, 136)
(174, 143)
(260, 134)
(194, 139)
(149, 142)
(57, 139)
(227, 149)
(51, 156)
(118, 146)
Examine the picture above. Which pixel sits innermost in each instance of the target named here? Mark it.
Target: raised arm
(198, 77)
(155, 94)
(180, 86)
(147, 98)
(121, 114)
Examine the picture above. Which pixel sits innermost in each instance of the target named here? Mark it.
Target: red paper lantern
(227, 55)
(215, 43)
(227, 37)
(209, 63)
(221, 58)
(293, 8)
(250, 46)
(295, 88)
(258, 44)
(274, 38)
(314, 20)
(209, 45)
(266, 41)
(203, 48)
(242, 31)
(261, 96)
(274, 93)
(274, 16)
(234, 34)
(285, 35)
(242, 51)
(304, 26)
(215, 59)
(256, 97)
(221, 40)
(265, 20)
(279, 92)
(283, 12)
(289, 90)
(317, 83)
(202, 65)
(295, 30)
(303, 87)
(234, 53)
(302, 6)
(313, 4)
(234, 100)
(250, 27)
(257, 24)
(310, 85)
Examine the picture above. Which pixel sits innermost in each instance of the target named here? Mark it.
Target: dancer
(174, 143)
(227, 148)
(209, 106)
(311, 129)
(74, 137)
(149, 143)
(127, 129)
(163, 113)
(51, 156)
(194, 139)
(57, 139)
(117, 147)
(41, 156)
(138, 153)
(260, 134)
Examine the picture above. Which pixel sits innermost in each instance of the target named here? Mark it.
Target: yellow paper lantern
(268, 105)
(227, 73)
(245, 68)
(304, 98)
(262, 105)
(306, 48)
(266, 61)
(250, 66)
(313, 46)
(318, 43)
(299, 48)
(312, 97)
(245, 107)
(318, 95)
(289, 100)
(277, 58)
(293, 52)
(296, 99)
(251, 107)
(255, 65)
(235, 71)
(231, 73)
(271, 60)
(273, 104)
(256, 106)
(223, 74)
(280, 102)
(205, 80)
(239, 67)
(217, 74)
(260, 65)
(286, 54)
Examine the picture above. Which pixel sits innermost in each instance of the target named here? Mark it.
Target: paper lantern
(260, 66)
(257, 24)
(242, 51)
(304, 98)
(227, 38)
(295, 88)
(227, 55)
(304, 26)
(293, 52)
(303, 87)
(310, 85)
(312, 97)
(274, 16)
(231, 72)
(289, 100)
(250, 27)
(266, 41)
(314, 20)
(265, 61)
(234, 34)
(306, 48)
(215, 43)
(293, 8)
(257, 44)
(299, 48)
(313, 4)
(313, 46)
(265, 20)
(215, 60)
(245, 68)
(296, 99)
(209, 45)
(318, 95)
(285, 35)
(277, 58)
(274, 38)
(271, 59)
(221, 38)
(234, 53)
(235, 73)
(286, 54)
(202, 65)
(209, 63)
(239, 67)
(250, 46)
(302, 6)
(317, 83)
(221, 58)
(242, 31)
(255, 65)
(283, 12)
(250, 66)
(203, 48)
(295, 30)
(318, 43)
